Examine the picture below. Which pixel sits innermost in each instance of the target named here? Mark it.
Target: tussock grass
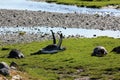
(73, 63)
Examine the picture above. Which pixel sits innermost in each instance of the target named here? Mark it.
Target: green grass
(87, 3)
(65, 65)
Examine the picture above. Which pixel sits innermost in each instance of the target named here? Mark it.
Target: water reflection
(52, 7)
(89, 33)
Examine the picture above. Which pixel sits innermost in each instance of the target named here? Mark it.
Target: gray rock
(4, 69)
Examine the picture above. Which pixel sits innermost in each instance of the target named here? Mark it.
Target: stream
(52, 7)
(88, 33)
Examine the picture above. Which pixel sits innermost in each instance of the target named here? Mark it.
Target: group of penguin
(99, 51)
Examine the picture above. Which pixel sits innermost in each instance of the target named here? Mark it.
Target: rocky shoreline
(68, 20)
(18, 18)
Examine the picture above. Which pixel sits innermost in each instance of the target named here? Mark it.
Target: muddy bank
(38, 18)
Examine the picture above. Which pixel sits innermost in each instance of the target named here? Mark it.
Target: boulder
(4, 69)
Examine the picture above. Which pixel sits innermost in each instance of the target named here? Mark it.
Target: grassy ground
(73, 63)
(87, 3)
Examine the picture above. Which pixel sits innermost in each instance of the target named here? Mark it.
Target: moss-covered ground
(71, 64)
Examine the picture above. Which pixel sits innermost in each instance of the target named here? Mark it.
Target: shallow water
(89, 33)
(52, 7)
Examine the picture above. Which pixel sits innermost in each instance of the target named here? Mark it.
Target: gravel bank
(38, 18)
(26, 38)
(16, 18)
